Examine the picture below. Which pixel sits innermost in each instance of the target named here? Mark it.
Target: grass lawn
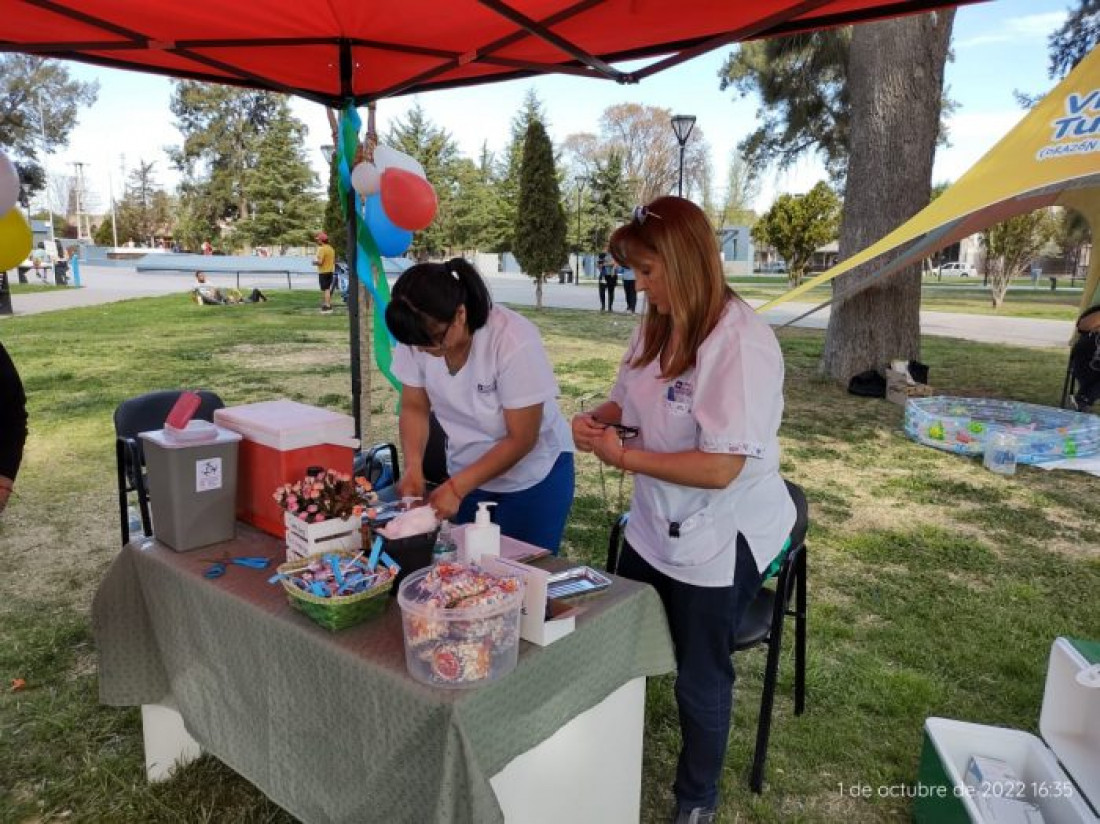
(936, 587)
(30, 288)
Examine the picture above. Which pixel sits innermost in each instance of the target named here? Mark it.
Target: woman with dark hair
(701, 389)
(484, 373)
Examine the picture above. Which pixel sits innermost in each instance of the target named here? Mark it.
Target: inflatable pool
(962, 425)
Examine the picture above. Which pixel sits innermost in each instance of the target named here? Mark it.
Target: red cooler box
(281, 440)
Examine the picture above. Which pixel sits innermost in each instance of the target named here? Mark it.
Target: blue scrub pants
(535, 515)
(703, 622)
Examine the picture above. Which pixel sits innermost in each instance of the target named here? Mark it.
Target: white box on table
(1061, 777)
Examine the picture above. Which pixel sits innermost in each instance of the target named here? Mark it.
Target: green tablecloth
(331, 726)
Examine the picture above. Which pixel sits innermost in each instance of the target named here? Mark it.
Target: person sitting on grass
(1084, 360)
(207, 295)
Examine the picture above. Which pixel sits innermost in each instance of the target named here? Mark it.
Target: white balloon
(388, 158)
(9, 184)
(365, 179)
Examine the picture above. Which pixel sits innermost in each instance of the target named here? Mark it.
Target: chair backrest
(435, 453)
(148, 411)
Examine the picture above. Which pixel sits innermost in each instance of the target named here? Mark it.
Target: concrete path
(107, 285)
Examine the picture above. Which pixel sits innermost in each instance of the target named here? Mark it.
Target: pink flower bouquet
(325, 496)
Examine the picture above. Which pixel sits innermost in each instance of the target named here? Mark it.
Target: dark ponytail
(432, 292)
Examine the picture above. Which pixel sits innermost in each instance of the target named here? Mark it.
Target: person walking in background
(630, 293)
(606, 279)
(207, 249)
(326, 270)
(13, 425)
(483, 370)
(701, 388)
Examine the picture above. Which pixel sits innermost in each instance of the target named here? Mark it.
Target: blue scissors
(218, 565)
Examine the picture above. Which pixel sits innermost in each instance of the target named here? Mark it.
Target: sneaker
(696, 815)
(326, 310)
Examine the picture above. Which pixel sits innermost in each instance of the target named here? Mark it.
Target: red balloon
(408, 200)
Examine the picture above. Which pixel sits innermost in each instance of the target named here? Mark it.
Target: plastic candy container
(461, 625)
(964, 426)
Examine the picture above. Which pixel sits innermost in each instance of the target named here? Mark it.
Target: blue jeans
(703, 622)
(535, 515)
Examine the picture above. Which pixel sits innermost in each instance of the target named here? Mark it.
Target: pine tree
(416, 135)
(540, 242)
(610, 198)
(284, 208)
(508, 185)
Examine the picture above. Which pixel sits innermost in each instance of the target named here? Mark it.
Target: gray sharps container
(192, 480)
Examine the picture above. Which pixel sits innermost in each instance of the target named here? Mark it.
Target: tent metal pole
(352, 247)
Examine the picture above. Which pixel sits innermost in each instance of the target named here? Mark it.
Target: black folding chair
(143, 414)
(763, 623)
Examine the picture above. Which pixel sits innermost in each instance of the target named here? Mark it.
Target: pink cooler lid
(286, 424)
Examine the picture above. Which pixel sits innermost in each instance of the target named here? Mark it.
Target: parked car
(958, 268)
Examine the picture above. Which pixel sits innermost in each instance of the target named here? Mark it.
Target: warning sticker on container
(208, 474)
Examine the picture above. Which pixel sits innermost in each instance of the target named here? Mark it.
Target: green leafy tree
(540, 242)
(39, 104)
(1075, 38)
(104, 233)
(222, 127)
(144, 210)
(1010, 247)
(870, 102)
(797, 225)
(281, 188)
(416, 135)
(468, 220)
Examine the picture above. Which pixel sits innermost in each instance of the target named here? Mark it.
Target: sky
(999, 47)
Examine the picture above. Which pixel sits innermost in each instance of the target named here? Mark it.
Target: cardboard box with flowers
(323, 513)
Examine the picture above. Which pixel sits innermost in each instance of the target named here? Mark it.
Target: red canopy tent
(343, 53)
(340, 51)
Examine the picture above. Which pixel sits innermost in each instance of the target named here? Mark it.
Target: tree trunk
(895, 80)
(538, 292)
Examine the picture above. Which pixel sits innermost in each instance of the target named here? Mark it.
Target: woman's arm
(705, 470)
(523, 426)
(412, 427)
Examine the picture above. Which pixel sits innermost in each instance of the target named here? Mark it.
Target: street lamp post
(682, 124)
(580, 181)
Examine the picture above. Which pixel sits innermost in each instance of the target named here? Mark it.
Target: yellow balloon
(15, 239)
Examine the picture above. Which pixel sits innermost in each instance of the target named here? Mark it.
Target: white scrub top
(507, 369)
(730, 402)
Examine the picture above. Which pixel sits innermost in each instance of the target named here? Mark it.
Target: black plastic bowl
(411, 553)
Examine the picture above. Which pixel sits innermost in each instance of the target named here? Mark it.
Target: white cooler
(1060, 776)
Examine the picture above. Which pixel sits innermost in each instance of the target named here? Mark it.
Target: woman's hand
(445, 500)
(608, 447)
(586, 431)
(411, 484)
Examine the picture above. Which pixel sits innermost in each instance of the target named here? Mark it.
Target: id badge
(678, 398)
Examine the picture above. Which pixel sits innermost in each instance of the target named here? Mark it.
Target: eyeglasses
(643, 212)
(626, 433)
(440, 341)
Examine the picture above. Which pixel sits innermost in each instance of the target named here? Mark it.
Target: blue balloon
(391, 240)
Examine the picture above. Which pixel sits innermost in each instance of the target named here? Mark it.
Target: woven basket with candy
(337, 589)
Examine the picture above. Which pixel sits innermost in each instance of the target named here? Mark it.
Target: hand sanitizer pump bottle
(482, 536)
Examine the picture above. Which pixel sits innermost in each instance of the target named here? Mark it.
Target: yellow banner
(1051, 156)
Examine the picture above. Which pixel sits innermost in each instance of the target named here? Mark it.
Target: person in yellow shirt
(326, 268)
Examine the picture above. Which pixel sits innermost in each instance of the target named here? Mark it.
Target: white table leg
(168, 745)
(589, 771)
